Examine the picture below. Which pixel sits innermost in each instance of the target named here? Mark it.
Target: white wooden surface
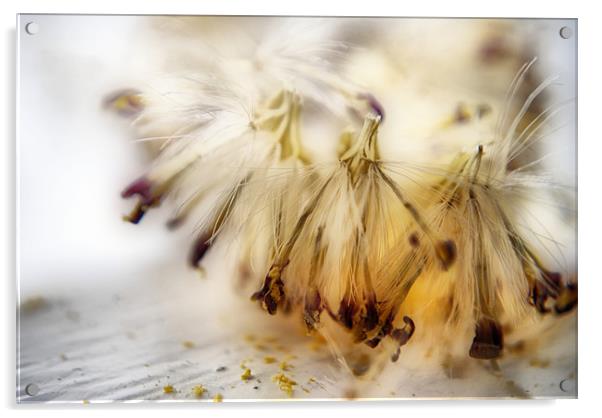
(127, 345)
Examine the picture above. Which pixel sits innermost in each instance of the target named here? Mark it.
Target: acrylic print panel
(246, 208)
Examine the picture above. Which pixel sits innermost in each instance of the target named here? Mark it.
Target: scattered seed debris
(269, 360)
(168, 389)
(221, 369)
(246, 375)
(218, 398)
(286, 384)
(542, 364)
(261, 347)
(198, 390)
(285, 367)
(33, 304)
(188, 344)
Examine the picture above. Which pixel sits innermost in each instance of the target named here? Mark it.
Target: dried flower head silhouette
(392, 251)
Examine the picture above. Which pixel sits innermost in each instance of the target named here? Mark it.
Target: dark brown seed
(272, 292)
(461, 114)
(267, 283)
(137, 213)
(567, 299)
(446, 251)
(538, 295)
(199, 248)
(494, 50)
(488, 341)
(553, 280)
(483, 110)
(385, 330)
(403, 335)
(313, 308)
(346, 312)
(371, 318)
(414, 240)
(269, 304)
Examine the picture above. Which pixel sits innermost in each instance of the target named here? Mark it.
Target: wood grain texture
(173, 328)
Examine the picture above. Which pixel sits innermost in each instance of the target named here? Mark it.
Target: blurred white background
(75, 157)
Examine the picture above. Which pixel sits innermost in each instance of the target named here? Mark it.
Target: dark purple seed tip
(553, 278)
(567, 299)
(374, 104)
(199, 248)
(446, 251)
(483, 110)
(136, 215)
(373, 343)
(346, 313)
(414, 240)
(461, 114)
(371, 319)
(175, 222)
(141, 187)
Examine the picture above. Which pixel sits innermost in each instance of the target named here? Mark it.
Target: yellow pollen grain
(246, 375)
(542, 364)
(198, 390)
(188, 344)
(168, 389)
(218, 398)
(269, 360)
(286, 384)
(284, 366)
